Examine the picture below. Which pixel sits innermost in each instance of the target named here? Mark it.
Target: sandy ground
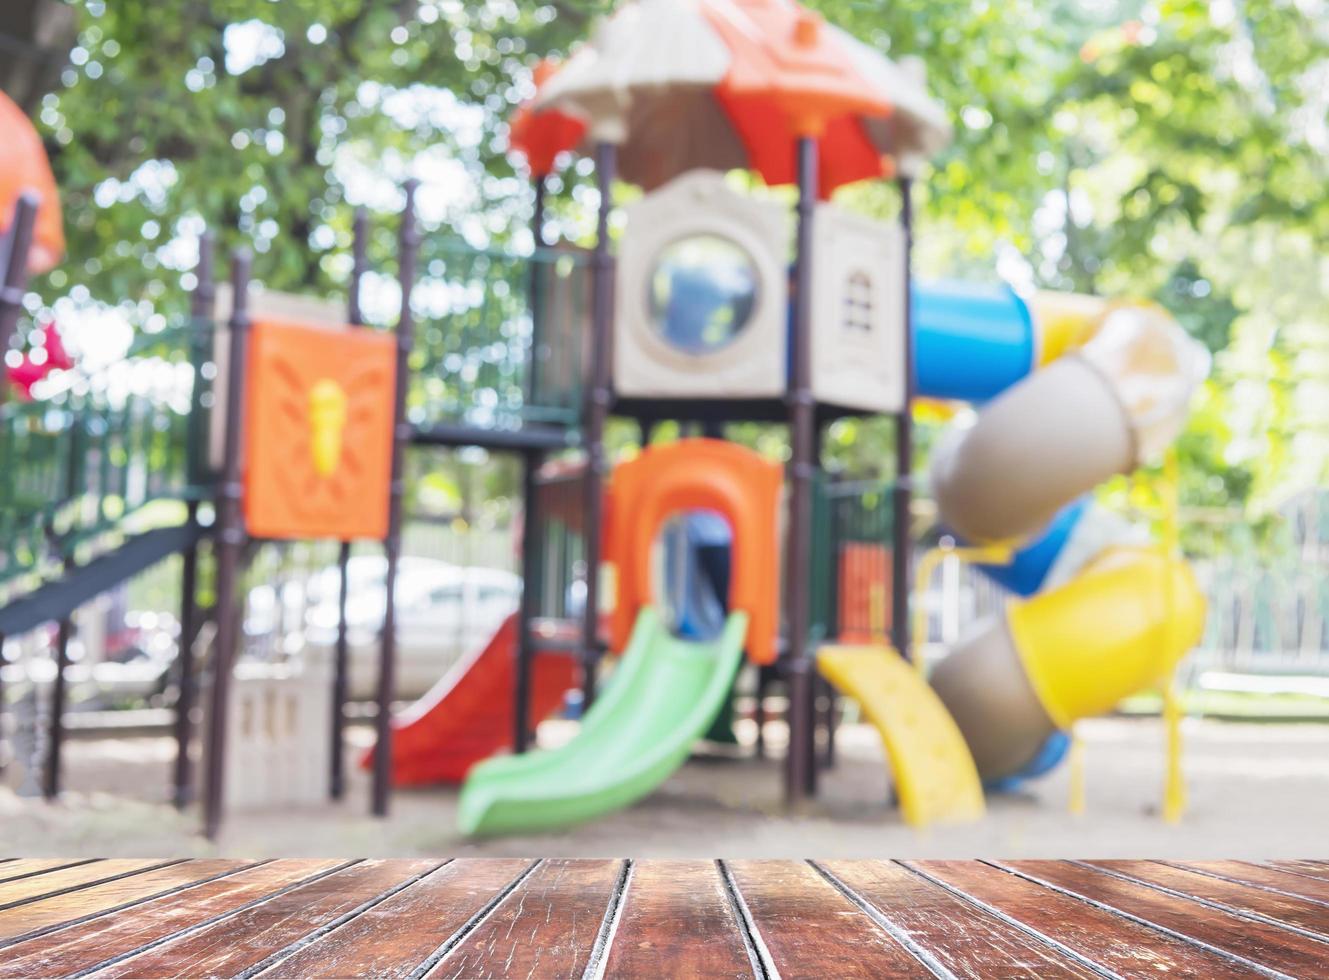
(1255, 791)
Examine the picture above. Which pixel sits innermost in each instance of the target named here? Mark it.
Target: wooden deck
(558, 918)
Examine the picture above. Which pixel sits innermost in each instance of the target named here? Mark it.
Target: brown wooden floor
(557, 918)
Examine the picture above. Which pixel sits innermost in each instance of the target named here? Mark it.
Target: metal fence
(480, 359)
(103, 446)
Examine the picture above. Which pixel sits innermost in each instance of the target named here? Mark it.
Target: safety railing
(82, 457)
(851, 560)
(500, 337)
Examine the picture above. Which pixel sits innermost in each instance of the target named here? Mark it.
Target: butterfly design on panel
(326, 423)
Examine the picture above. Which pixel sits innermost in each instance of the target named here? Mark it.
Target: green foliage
(1171, 149)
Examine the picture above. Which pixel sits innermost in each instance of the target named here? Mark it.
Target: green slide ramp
(662, 698)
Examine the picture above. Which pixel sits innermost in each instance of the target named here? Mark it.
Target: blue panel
(971, 342)
(1025, 574)
(1047, 758)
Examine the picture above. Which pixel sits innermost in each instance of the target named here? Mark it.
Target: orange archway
(697, 474)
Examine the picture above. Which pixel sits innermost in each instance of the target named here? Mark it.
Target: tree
(1145, 148)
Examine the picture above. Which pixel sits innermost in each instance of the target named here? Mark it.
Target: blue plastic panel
(1025, 574)
(971, 342)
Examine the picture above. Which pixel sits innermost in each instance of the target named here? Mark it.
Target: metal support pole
(531, 556)
(408, 246)
(55, 732)
(599, 395)
(904, 448)
(230, 540)
(201, 311)
(337, 757)
(800, 767)
(19, 242)
(182, 773)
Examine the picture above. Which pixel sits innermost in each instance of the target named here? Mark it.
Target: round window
(703, 290)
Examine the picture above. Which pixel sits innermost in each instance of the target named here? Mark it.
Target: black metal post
(408, 245)
(341, 658)
(531, 544)
(182, 774)
(800, 767)
(55, 732)
(19, 240)
(229, 543)
(201, 311)
(904, 447)
(598, 397)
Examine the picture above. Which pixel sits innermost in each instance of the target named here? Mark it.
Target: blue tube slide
(971, 341)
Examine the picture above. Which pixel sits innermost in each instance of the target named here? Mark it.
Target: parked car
(444, 611)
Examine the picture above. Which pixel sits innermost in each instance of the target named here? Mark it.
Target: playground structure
(693, 318)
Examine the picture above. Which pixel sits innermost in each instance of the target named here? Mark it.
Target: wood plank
(23, 867)
(546, 927)
(83, 947)
(1099, 936)
(79, 876)
(963, 938)
(23, 920)
(245, 940)
(809, 929)
(398, 935)
(1311, 869)
(1300, 912)
(1266, 945)
(1316, 889)
(678, 913)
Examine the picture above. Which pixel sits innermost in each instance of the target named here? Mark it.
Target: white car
(443, 612)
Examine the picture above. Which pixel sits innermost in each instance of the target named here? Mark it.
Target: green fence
(76, 463)
(851, 559)
(499, 340)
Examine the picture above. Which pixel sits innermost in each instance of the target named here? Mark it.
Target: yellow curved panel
(935, 777)
(1064, 321)
(1119, 627)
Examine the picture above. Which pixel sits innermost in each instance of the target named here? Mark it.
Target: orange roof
(782, 55)
(541, 136)
(23, 167)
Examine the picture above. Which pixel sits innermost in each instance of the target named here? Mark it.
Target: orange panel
(699, 474)
(865, 592)
(318, 431)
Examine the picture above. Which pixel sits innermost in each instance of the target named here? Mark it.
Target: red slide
(467, 716)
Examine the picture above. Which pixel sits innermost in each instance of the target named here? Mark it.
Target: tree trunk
(35, 38)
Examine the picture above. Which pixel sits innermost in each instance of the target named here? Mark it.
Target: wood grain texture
(85, 946)
(1266, 945)
(678, 913)
(1316, 889)
(963, 938)
(545, 928)
(95, 899)
(1103, 937)
(811, 930)
(398, 935)
(1299, 912)
(79, 876)
(23, 867)
(1311, 869)
(245, 940)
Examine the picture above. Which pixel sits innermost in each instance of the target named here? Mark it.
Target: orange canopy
(685, 84)
(541, 136)
(25, 167)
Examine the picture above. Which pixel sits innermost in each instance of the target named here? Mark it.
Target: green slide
(662, 697)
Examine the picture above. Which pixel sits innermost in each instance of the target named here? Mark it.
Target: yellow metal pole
(927, 567)
(1174, 785)
(1076, 803)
